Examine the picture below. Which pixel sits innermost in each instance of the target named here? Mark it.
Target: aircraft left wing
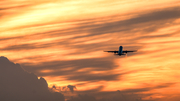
(112, 51)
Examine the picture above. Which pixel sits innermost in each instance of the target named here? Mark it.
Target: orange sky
(64, 41)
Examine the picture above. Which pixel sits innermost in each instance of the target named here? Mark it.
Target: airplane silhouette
(120, 52)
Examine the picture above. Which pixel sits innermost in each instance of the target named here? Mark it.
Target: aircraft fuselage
(120, 52)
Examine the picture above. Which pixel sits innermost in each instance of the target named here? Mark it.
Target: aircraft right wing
(129, 51)
(112, 51)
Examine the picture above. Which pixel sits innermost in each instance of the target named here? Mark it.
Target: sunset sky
(63, 41)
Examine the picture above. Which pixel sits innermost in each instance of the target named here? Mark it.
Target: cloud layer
(20, 85)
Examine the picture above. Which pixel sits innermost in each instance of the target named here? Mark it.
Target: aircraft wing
(129, 51)
(112, 51)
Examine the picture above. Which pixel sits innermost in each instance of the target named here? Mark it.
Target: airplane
(120, 52)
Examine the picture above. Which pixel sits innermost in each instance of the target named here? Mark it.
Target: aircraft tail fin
(120, 50)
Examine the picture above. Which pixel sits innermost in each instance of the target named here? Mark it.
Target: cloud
(25, 47)
(107, 96)
(94, 77)
(83, 98)
(79, 70)
(71, 88)
(138, 94)
(151, 21)
(148, 88)
(19, 85)
(148, 18)
(174, 97)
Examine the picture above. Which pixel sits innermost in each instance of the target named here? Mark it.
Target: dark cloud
(93, 63)
(124, 95)
(83, 98)
(93, 77)
(13, 7)
(5, 8)
(71, 88)
(25, 47)
(19, 85)
(1, 14)
(107, 96)
(10, 38)
(174, 97)
(148, 88)
(58, 68)
(152, 19)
